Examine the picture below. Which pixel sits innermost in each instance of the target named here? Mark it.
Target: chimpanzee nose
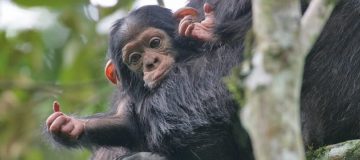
(151, 63)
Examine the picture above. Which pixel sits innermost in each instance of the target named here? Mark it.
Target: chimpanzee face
(149, 54)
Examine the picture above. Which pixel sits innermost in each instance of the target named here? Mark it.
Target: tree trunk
(272, 88)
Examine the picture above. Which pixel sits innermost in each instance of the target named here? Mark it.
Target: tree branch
(314, 20)
(161, 3)
(345, 150)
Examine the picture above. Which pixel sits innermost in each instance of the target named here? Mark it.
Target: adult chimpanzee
(181, 110)
(330, 95)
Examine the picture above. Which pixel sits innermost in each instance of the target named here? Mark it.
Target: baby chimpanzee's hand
(60, 124)
(199, 30)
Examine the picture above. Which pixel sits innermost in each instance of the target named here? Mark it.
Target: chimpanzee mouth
(156, 79)
(161, 75)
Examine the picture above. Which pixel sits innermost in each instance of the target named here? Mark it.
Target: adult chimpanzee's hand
(199, 30)
(60, 124)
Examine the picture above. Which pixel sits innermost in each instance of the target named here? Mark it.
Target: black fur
(330, 96)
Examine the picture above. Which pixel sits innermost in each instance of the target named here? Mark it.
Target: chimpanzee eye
(134, 58)
(155, 42)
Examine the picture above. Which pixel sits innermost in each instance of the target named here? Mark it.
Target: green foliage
(235, 82)
(64, 62)
(235, 85)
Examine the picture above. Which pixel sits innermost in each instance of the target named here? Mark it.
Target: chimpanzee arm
(115, 128)
(104, 130)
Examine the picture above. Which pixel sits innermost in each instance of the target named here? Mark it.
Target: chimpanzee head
(141, 48)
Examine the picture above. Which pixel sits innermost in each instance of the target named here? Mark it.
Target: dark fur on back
(330, 96)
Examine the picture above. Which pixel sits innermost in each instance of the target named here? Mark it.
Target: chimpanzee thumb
(56, 106)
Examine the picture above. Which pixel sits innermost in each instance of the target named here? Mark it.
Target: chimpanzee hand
(190, 28)
(61, 124)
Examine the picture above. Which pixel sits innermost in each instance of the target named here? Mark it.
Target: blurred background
(53, 50)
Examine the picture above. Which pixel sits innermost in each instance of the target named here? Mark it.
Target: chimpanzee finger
(209, 15)
(56, 106)
(77, 131)
(52, 117)
(183, 28)
(208, 9)
(183, 25)
(189, 30)
(67, 128)
(56, 125)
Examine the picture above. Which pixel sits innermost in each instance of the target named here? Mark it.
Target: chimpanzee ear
(186, 11)
(110, 72)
